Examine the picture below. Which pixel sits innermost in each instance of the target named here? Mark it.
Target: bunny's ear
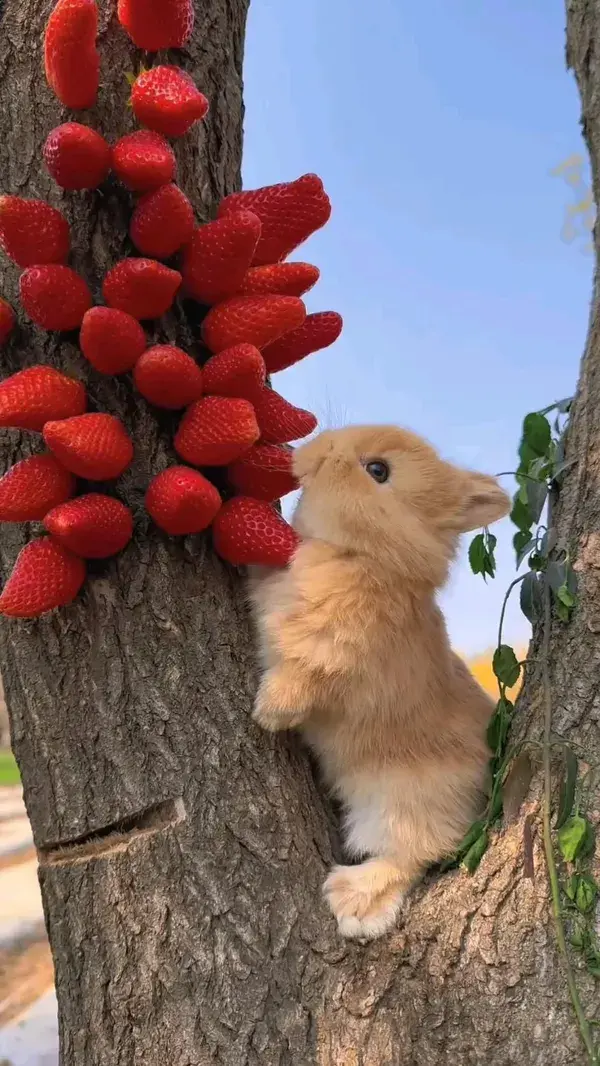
(484, 502)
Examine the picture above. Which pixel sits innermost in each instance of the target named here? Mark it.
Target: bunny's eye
(378, 470)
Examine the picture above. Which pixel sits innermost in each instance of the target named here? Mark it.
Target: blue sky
(435, 128)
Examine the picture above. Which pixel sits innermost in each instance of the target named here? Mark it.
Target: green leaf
(577, 937)
(497, 731)
(571, 837)
(523, 544)
(531, 597)
(526, 456)
(481, 554)
(520, 515)
(537, 433)
(564, 596)
(568, 782)
(537, 493)
(564, 613)
(477, 553)
(505, 666)
(571, 886)
(537, 562)
(496, 806)
(586, 893)
(475, 853)
(473, 834)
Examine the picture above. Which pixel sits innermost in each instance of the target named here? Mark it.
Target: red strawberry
(71, 58)
(165, 99)
(168, 377)
(216, 430)
(257, 320)
(94, 446)
(54, 296)
(284, 279)
(141, 287)
(143, 161)
(94, 526)
(39, 394)
(182, 501)
(237, 371)
(32, 487)
(44, 576)
(32, 232)
(162, 222)
(111, 340)
(76, 156)
(7, 320)
(249, 532)
(218, 256)
(318, 331)
(263, 472)
(154, 25)
(280, 421)
(289, 213)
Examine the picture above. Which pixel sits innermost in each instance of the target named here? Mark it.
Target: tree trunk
(181, 850)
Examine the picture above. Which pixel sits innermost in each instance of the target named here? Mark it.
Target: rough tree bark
(181, 850)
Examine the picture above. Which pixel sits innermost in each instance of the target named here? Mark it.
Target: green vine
(549, 585)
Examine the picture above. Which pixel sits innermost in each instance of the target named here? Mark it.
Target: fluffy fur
(356, 656)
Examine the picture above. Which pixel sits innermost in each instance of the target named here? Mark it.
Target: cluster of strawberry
(256, 324)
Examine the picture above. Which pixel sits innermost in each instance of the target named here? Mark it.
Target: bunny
(356, 656)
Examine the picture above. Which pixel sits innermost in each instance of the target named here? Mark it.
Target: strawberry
(263, 472)
(76, 156)
(249, 532)
(32, 232)
(166, 100)
(155, 25)
(216, 430)
(141, 287)
(111, 340)
(168, 377)
(32, 487)
(283, 279)
(71, 58)
(217, 258)
(143, 161)
(237, 371)
(162, 222)
(182, 501)
(7, 320)
(94, 526)
(279, 421)
(289, 213)
(39, 394)
(94, 446)
(257, 320)
(318, 331)
(45, 576)
(54, 296)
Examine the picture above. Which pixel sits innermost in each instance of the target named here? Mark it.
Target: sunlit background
(435, 128)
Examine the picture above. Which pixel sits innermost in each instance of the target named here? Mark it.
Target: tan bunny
(357, 656)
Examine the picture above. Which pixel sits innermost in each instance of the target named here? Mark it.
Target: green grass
(9, 774)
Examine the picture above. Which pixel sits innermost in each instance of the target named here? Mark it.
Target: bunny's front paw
(278, 703)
